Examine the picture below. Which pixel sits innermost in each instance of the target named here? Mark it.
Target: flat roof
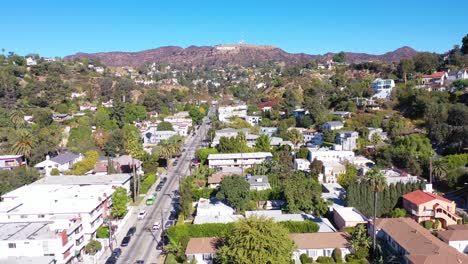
(320, 240)
(28, 260)
(199, 245)
(26, 231)
(240, 155)
(119, 178)
(350, 214)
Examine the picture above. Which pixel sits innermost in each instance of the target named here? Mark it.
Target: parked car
(111, 260)
(116, 253)
(140, 262)
(158, 188)
(125, 241)
(160, 245)
(141, 215)
(169, 223)
(156, 225)
(150, 200)
(164, 179)
(173, 215)
(131, 231)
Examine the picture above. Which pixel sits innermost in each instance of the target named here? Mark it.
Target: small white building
(63, 162)
(258, 183)
(242, 160)
(324, 154)
(319, 244)
(301, 164)
(214, 211)
(331, 171)
(382, 88)
(333, 125)
(152, 136)
(455, 236)
(379, 131)
(253, 120)
(269, 131)
(30, 61)
(232, 132)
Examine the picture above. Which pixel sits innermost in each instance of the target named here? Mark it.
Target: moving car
(156, 225)
(141, 215)
(131, 231)
(125, 241)
(150, 200)
(116, 253)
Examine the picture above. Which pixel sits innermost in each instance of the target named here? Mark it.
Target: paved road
(143, 244)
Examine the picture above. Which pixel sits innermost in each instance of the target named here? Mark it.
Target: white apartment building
(324, 154)
(178, 120)
(301, 164)
(333, 125)
(226, 112)
(52, 219)
(331, 171)
(231, 132)
(242, 160)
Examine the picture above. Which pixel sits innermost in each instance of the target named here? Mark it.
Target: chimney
(47, 157)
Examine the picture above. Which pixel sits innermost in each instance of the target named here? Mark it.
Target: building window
(41, 216)
(312, 252)
(11, 245)
(24, 216)
(207, 257)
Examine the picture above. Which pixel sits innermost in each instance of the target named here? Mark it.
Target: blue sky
(59, 28)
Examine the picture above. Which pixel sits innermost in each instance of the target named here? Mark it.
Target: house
(61, 117)
(333, 125)
(457, 75)
(99, 69)
(319, 244)
(253, 120)
(382, 88)
(153, 114)
(108, 104)
(216, 178)
(277, 215)
(232, 132)
(127, 164)
(9, 162)
(342, 114)
(114, 180)
(214, 211)
(30, 61)
(346, 140)
(394, 175)
(301, 164)
(269, 131)
(258, 183)
(311, 135)
(88, 106)
(225, 113)
(435, 78)
(378, 131)
(101, 168)
(422, 206)
(455, 236)
(242, 160)
(414, 243)
(324, 154)
(202, 249)
(152, 136)
(299, 113)
(64, 161)
(330, 171)
(347, 217)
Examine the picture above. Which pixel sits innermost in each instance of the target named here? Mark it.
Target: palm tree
(439, 169)
(296, 137)
(377, 180)
(24, 144)
(17, 118)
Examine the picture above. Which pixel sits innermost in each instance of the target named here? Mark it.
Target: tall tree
(256, 240)
(377, 181)
(263, 143)
(236, 191)
(406, 67)
(464, 48)
(24, 144)
(119, 203)
(17, 118)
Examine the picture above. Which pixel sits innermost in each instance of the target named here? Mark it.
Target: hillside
(245, 55)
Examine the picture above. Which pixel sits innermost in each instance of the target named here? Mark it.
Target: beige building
(423, 206)
(347, 217)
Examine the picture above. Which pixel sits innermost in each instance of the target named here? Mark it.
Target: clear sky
(59, 28)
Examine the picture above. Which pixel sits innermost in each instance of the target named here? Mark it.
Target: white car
(156, 225)
(141, 215)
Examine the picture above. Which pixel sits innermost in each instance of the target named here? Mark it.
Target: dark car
(159, 187)
(116, 253)
(140, 262)
(131, 231)
(125, 241)
(173, 215)
(111, 260)
(160, 245)
(164, 179)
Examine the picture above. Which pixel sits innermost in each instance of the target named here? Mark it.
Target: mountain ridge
(225, 54)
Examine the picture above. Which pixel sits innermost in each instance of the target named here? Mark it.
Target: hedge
(147, 183)
(102, 232)
(300, 227)
(181, 234)
(324, 259)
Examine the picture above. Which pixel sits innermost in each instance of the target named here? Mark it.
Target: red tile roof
(419, 197)
(270, 103)
(435, 75)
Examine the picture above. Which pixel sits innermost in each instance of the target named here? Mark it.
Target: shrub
(324, 259)
(87, 164)
(304, 258)
(55, 172)
(93, 247)
(170, 259)
(337, 255)
(102, 232)
(428, 224)
(300, 227)
(146, 184)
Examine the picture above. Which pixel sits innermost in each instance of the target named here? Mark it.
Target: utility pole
(109, 224)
